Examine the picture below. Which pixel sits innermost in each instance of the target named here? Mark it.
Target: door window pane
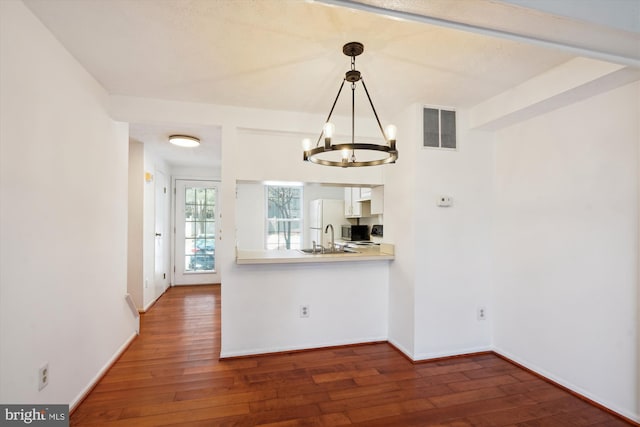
(200, 229)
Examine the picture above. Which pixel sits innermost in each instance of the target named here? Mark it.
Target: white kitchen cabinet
(377, 200)
(365, 193)
(353, 208)
(349, 202)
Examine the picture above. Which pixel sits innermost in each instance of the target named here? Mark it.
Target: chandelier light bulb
(306, 144)
(345, 154)
(329, 129)
(392, 131)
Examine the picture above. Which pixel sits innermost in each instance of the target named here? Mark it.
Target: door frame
(162, 181)
(174, 182)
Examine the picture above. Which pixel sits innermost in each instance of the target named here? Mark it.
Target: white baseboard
(548, 375)
(422, 357)
(284, 349)
(401, 349)
(101, 373)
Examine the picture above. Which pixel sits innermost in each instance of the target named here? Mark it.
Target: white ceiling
(156, 136)
(287, 54)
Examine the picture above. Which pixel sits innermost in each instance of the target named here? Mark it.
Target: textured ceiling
(280, 54)
(286, 54)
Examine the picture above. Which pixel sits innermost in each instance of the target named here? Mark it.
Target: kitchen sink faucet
(332, 248)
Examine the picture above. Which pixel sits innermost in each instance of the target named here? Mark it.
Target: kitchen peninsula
(382, 252)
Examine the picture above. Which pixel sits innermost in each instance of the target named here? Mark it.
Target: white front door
(197, 225)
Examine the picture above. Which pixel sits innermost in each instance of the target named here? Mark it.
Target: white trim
(582, 392)
(402, 349)
(148, 306)
(84, 393)
(284, 349)
(424, 357)
(174, 184)
(172, 232)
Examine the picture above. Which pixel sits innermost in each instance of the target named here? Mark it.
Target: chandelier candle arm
(330, 112)
(345, 153)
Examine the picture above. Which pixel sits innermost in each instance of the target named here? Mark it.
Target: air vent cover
(439, 127)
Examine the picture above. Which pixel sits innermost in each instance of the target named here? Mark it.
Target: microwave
(355, 232)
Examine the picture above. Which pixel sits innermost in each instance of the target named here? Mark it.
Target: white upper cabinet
(377, 200)
(365, 193)
(353, 208)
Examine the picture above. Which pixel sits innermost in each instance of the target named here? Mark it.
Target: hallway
(171, 376)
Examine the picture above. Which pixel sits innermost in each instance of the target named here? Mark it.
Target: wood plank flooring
(171, 376)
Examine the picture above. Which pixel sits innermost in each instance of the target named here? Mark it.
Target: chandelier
(351, 154)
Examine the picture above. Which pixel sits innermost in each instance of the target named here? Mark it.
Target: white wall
(63, 186)
(566, 246)
(136, 180)
(347, 301)
(453, 250)
(400, 228)
(260, 313)
(442, 270)
(250, 214)
(211, 174)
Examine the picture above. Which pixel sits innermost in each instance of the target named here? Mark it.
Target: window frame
(281, 242)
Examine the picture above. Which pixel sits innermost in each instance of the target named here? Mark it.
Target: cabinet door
(356, 208)
(365, 193)
(347, 202)
(352, 209)
(377, 200)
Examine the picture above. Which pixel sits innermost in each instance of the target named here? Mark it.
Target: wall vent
(439, 128)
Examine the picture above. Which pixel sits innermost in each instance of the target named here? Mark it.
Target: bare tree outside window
(284, 217)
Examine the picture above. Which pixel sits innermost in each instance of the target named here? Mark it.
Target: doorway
(197, 214)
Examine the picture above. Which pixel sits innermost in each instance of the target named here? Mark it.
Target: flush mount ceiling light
(184, 141)
(351, 154)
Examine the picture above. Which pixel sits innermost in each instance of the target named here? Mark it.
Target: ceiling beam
(560, 33)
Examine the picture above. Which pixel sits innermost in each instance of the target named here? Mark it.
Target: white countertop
(382, 252)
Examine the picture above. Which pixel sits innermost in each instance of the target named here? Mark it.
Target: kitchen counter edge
(384, 252)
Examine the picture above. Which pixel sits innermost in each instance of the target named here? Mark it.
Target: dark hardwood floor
(171, 375)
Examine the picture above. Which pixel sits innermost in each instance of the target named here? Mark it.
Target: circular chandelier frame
(312, 155)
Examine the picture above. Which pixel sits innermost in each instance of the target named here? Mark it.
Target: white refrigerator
(323, 212)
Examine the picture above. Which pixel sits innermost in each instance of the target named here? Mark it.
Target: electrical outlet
(43, 376)
(304, 311)
(482, 313)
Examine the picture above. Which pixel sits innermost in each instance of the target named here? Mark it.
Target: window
(200, 228)
(284, 217)
(439, 128)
